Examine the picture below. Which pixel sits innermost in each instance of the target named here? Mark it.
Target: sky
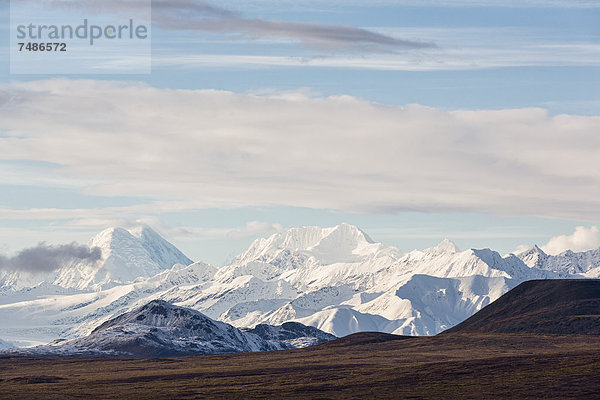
(417, 121)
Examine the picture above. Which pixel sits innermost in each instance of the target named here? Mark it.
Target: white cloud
(459, 49)
(255, 229)
(437, 60)
(582, 239)
(204, 148)
(164, 229)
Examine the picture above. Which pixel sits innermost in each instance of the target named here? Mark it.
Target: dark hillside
(557, 306)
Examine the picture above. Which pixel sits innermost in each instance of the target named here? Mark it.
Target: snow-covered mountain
(335, 279)
(160, 329)
(5, 345)
(127, 254)
(12, 281)
(369, 287)
(568, 262)
(39, 315)
(340, 244)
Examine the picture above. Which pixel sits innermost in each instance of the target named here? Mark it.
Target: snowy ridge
(340, 244)
(335, 279)
(160, 329)
(5, 345)
(568, 262)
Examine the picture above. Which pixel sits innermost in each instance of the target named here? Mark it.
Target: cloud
(193, 149)
(206, 16)
(478, 48)
(319, 36)
(582, 239)
(94, 219)
(164, 229)
(333, 4)
(255, 229)
(450, 60)
(47, 258)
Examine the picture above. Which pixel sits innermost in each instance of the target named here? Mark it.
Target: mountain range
(335, 279)
(539, 340)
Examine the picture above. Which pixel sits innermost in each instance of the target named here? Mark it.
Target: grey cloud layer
(46, 258)
(198, 15)
(284, 4)
(323, 37)
(211, 148)
(206, 16)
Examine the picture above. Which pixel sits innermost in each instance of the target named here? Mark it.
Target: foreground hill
(160, 329)
(541, 307)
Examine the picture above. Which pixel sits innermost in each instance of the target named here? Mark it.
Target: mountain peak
(144, 231)
(340, 243)
(107, 236)
(535, 249)
(533, 257)
(306, 237)
(353, 230)
(127, 255)
(446, 246)
(116, 233)
(158, 313)
(157, 304)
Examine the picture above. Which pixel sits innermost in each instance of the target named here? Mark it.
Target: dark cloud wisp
(203, 16)
(209, 16)
(47, 258)
(319, 36)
